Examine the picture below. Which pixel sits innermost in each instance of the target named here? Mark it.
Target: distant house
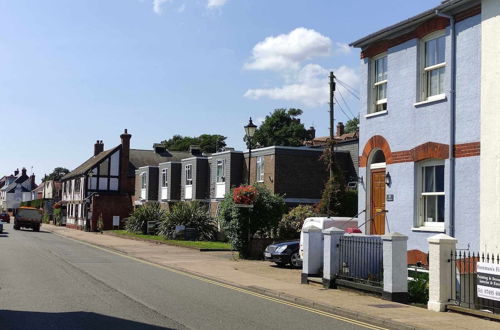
(104, 185)
(195, 177)
(17, 189)
(37, 193)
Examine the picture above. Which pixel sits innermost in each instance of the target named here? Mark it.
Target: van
(325, 223)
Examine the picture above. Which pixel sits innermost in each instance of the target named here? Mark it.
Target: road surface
(51, 282)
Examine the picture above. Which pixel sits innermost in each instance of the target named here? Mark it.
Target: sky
(73, 72)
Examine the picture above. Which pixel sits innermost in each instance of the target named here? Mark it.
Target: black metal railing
(464, 280)
(361, 262)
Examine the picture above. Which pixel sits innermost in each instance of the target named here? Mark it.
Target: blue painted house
(420, 126)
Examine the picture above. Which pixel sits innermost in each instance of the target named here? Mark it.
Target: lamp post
(249, 132)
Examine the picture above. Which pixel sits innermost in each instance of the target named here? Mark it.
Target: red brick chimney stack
(340, 129)
(98, 147)
(124, 161)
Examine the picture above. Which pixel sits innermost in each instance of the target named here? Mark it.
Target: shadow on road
(70, 320)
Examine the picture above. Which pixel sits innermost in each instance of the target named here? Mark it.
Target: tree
(352, 125)
(56, 175)
(281, 128)
(208, 143)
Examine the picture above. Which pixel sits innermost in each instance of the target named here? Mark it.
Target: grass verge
(200, 245)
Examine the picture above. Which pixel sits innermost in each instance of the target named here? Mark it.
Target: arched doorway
(377, 172)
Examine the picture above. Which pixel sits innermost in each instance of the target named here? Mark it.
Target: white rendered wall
(490, 130)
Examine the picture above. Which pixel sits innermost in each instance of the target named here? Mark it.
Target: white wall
(490, 131)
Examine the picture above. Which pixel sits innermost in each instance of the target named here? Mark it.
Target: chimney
(32, 177)
(195, 150)
(312, 133)
(340, 128)
(16, 172)
(124, 161)
(98, 147)
(23, 171)
(159, 148)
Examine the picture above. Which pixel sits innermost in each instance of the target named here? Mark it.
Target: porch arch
(375, 142)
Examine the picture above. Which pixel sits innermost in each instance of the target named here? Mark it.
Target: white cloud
(216, 3)
(287, 51)
(343, 48)
(157, 5)
(310, 87)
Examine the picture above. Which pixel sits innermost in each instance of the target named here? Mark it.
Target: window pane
(428, 179)
(430, 53)
(430, 208)
(440, 178)
(440, 208)
(381, 69)
(440, 47)
(381, 92)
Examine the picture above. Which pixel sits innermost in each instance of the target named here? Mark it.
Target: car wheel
(295, 260)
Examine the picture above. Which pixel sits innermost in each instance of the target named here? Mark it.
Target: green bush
(418, 289)
(191, 215)
(290, 225)
(137, 222)
(242, 224)
(57, 217)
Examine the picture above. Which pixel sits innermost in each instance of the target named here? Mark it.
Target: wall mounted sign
(390, 197)
(488, 281)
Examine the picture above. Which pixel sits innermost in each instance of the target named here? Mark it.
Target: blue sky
(72, 72)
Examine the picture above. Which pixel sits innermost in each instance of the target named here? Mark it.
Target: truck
(28, 217)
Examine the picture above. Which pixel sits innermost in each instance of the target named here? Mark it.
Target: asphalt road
(51, 282)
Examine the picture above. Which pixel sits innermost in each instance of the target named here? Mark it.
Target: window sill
(376, 114)
(433, 99)
(429, 229)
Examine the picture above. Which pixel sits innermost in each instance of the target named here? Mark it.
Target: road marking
(229, 286)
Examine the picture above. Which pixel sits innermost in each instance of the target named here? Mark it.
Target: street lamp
(249, 132)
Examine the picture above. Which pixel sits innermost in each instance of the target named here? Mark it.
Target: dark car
(284, 253)
(5, 217)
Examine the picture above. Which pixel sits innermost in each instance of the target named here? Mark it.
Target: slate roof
(137, 157)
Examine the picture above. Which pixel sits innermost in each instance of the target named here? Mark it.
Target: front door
(378, 202)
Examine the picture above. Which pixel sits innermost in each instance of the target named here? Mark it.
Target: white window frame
(260, 169)
(144, 183)
(421, 196)
(164, 178)
(189, 174)
(375, 84)
(425, 71)
(220, 170)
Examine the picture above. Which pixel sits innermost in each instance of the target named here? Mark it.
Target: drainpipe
(453, 81)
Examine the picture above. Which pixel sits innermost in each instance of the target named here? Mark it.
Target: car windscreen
(29, 214)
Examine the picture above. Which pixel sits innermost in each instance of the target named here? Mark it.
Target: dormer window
(379, 83)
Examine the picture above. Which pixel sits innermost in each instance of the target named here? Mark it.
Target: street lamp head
(250, 129)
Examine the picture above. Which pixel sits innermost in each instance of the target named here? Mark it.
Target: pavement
(282, 283)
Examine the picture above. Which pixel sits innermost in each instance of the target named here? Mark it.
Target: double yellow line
(232, 287)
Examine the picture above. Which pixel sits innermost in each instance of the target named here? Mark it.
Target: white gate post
(395, 267)
(313, 253)
(331, 249)
(441, 277)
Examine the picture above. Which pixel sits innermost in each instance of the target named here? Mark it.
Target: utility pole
(332, 135)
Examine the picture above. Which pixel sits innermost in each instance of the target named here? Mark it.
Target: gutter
(453, 82)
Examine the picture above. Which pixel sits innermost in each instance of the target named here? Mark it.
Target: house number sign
(488, 281)
(390, 197)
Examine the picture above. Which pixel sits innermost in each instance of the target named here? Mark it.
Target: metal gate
(464, 280)
(361, 262)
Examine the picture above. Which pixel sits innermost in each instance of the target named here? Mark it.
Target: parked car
(1, 226)
(5, 217)
(284, 253)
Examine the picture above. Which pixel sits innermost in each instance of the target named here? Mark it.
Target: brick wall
(109, 206)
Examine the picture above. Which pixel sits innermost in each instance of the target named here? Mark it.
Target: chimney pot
(98, 147)
(340, 128)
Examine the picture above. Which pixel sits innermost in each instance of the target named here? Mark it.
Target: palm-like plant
(137, 222)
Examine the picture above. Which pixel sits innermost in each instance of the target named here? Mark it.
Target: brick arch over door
(376, 142)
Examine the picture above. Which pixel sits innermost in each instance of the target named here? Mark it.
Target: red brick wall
(109, 206)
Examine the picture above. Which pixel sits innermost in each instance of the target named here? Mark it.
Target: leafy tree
(56, 175)
(291, 223)
(352, 125)
(281, 128)
(208, 143)
(241, 225)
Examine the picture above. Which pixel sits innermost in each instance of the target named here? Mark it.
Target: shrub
(138, 221)
(246, 195)
(418, 289)
(191, 215)
(291, 224)
(242, 224)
